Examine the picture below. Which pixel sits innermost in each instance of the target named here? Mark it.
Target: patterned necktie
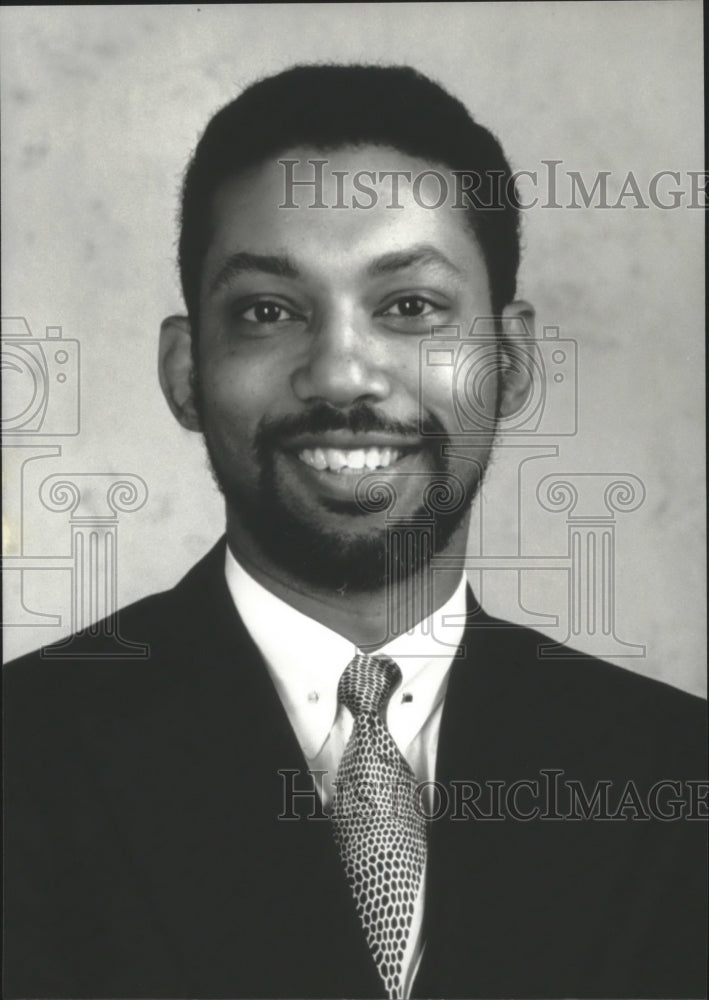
(380, 832)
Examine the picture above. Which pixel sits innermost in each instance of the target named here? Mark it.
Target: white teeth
(340, 461)
(335, 459)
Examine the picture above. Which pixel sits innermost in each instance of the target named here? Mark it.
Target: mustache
(358, 419)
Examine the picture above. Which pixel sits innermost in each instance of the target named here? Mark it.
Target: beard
(365, 559)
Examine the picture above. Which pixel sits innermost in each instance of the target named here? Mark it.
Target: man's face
(311, 321)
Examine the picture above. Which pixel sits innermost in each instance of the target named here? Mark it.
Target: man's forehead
(361, 177)
(371, 199)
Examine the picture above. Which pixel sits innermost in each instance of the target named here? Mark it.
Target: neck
(368, 619)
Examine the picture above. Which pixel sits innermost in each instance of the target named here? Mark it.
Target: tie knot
(367, 683)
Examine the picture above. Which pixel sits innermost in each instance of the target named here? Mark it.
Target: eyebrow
(282, 266)
(243, 262)
(422, 253)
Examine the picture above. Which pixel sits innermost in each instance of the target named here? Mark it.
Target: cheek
(460, 386)
(231, 411)
(437, 390)
(238, 390)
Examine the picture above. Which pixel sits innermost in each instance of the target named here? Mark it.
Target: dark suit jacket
(144, 857)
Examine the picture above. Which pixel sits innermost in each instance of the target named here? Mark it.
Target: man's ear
(175, 370)
(518, 356)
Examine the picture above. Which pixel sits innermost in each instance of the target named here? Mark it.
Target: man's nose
(344, 364)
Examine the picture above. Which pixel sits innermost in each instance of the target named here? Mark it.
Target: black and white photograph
(354, 510)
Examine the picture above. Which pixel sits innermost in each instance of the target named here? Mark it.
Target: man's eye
(267, 312)
(410, 306)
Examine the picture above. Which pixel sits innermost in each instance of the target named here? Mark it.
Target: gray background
(101, 108)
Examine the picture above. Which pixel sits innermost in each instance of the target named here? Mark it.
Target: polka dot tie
(380, 832)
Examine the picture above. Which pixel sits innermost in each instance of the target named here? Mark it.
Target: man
(314, 785)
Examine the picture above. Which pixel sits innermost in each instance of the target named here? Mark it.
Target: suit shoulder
(582, 699)
(127, 636)
(537, 656)
(140, 631)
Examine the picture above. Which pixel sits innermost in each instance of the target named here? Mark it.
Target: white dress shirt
(306, 659)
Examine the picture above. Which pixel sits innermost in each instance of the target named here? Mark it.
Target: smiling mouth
(343, 461)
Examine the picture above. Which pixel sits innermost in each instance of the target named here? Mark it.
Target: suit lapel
(460, 881)
(497, 921)
(249, 899)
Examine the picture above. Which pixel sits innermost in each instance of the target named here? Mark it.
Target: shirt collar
(305, 658)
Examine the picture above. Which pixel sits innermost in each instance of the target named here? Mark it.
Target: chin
(352, 558)
(337, 547)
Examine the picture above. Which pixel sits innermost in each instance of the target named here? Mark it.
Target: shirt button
(406, 698)
(313, 697)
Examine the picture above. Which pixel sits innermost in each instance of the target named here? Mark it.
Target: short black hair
(331, 106)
